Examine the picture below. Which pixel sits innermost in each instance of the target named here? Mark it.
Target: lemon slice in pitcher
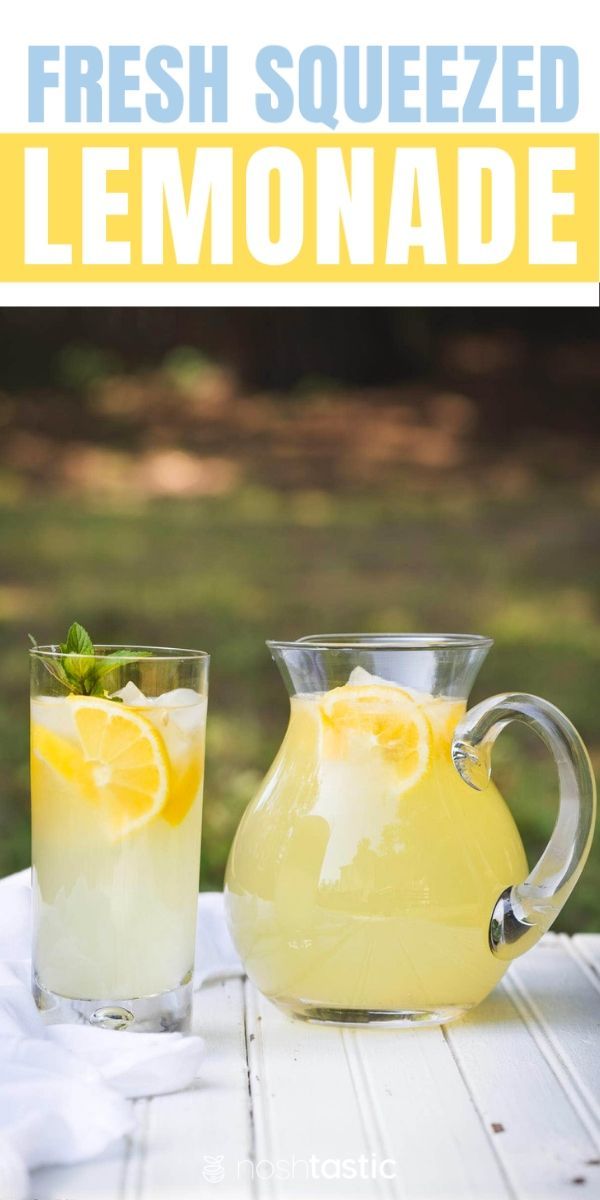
(378, 717)
(125, 762)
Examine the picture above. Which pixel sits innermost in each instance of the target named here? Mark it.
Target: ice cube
(179, 698)
(361, 677)
(130, 694)
(54, 713)
(182, 708)
(187, 709)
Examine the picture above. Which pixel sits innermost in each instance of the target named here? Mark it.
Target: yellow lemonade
(116, 814)
(364, 874)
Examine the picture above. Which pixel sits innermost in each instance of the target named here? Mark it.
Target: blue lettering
(400, 83)
(78, 80)
(513, 83)
(120, 83)
(40, 78)
(370, 110)
(550, 57)
(169, 91)
(311, 110)
(485, 57)
(266, 108)
(438, 83)
(201, 79)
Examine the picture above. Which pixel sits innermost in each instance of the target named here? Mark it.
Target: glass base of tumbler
(165, 1012)
(389, 1018)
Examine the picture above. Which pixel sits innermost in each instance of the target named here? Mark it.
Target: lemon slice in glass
(360, 719)
(125, 762)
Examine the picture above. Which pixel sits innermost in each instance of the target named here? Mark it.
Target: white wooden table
(503, 1104)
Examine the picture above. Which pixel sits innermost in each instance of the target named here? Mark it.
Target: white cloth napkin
(65, 1090)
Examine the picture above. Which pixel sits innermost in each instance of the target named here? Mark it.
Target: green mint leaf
(78, 641)
(57, 670)
(77, 670)
(119, 658)
(78, 665)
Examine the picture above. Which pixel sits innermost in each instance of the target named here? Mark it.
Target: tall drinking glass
(116, 793)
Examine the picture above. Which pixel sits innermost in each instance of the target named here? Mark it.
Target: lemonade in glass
(117, 763)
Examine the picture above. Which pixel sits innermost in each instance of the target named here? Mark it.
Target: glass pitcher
(378, 875)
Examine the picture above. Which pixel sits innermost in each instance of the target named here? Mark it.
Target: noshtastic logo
(213, 1170)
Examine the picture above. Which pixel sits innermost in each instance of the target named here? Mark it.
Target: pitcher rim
(386, 641)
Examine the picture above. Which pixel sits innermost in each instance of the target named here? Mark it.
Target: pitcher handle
(526, 910)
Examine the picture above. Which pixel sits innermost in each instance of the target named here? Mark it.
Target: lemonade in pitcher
(364, 874)
(116, 788)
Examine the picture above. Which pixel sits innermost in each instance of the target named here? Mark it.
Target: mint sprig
(78, 641)
(81, 669)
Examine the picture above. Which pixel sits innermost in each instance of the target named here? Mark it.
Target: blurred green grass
(224, 573)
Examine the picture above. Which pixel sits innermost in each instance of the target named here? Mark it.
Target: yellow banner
(302, 207)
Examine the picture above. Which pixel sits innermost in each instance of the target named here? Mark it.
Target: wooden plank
(543, 1141)
(559, 989)
(434, 1132)
(196, 1137)
(99, 1178)
(587, 945)
(314, 1131)
(136, 1152)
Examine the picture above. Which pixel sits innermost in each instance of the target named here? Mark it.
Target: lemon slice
(184, 790)
(125, 762)
(382, 718)
(56, 751)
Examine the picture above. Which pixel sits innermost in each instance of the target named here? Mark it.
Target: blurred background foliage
(211, 478)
